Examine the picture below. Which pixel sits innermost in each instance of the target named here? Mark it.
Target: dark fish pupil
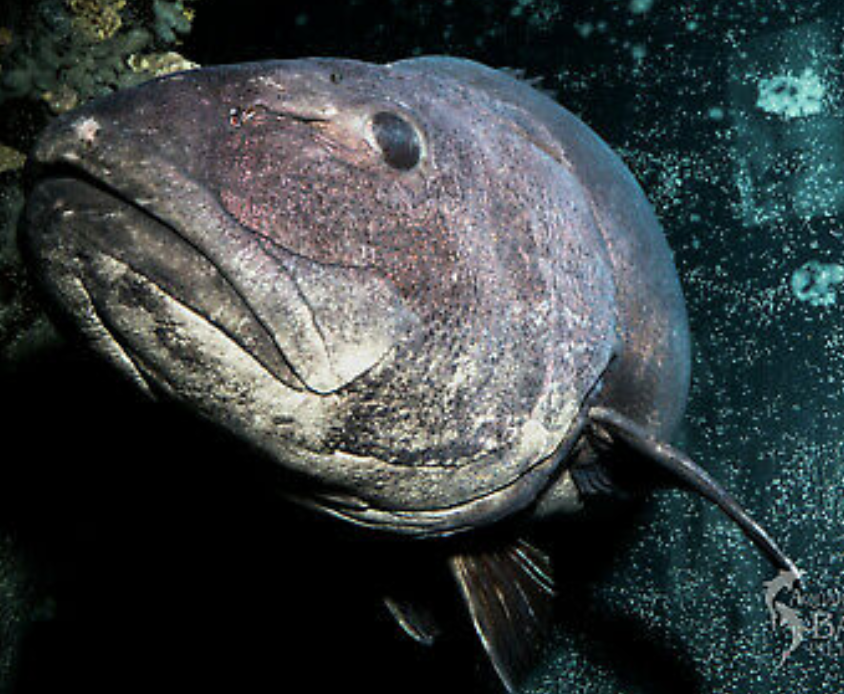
(397, 139)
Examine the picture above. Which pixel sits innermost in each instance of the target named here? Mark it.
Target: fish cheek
(322, 200)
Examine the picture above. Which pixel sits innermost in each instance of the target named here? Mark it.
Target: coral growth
(157, 64)
(55, 56)
(171, 19)
(75, 50)
(10, 159)
(98, 18)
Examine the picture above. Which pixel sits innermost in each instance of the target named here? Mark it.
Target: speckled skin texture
(420, 344)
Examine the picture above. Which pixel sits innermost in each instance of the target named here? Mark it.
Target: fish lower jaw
(479, 511)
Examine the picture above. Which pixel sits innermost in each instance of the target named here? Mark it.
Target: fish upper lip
(63, 169)
(40, 171)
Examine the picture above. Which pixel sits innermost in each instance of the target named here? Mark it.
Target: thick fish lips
(97, 248)
(117, 235)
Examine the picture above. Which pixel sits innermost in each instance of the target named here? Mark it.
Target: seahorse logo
(784, 616)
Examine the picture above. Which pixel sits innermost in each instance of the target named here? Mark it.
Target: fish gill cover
(729, 115)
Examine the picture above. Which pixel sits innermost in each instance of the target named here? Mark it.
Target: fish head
(362, 270)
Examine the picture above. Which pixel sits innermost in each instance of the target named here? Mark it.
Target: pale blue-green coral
(817, 283)
(171, 20)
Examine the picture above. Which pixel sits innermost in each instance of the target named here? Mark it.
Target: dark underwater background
(141, 550)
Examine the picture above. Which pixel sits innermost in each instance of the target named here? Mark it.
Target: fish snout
(112, 224)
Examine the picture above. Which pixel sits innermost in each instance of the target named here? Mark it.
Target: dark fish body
(424, 288)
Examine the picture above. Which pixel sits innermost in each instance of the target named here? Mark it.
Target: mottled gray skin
(422, 344)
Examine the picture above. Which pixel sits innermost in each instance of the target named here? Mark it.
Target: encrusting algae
(100, 19)
(10, 158)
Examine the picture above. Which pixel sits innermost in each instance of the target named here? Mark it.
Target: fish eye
(399, 140)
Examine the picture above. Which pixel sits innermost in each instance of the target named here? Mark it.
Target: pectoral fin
(610, 428)
(508, 591)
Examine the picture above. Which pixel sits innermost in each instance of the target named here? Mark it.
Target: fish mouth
(101, 250)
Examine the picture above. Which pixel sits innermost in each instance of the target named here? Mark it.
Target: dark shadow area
(643, 657)
(170, 561)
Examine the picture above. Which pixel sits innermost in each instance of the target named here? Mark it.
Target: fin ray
(508, 592)
(416, 622)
